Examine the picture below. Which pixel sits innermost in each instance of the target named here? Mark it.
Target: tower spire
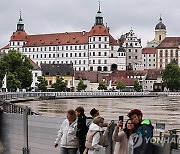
(99, 17)
(99, 6)
(20, 24)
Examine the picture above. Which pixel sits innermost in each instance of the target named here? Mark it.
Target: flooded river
(158, 109)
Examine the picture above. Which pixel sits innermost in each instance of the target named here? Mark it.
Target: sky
(59, 16)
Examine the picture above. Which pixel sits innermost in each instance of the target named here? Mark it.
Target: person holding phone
(122, 137)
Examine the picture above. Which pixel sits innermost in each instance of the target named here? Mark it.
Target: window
(79, 54)
(99, 38)
(99, 61)
(105, 46)
(62, 47)
(93, 53)
(66, 54)
(99, 45)
(62, 55)
(136, 50)
(75, 47)
(84, 54)
(105, 39)
(171, 53)
(44, 48)
(70, 47)
(54, 55)
(50, 82)
(135, 57)
(84, 46)
(75, 54)
(79, 47)
(129, 50)
(44, 55)
(105, 61)
(166, 53)
(70, 54)
(79, 61)
(49, 49)
(93, 46)
(99, 53)
(93, 38)
(105, 54)
(66, 47)
(112, 48)
(41, 55)
(54, 48)
(84, 62)
(36, 56)
(58, 55)
(129, 57)
(111, 54)
(35, 74)
(93, 61)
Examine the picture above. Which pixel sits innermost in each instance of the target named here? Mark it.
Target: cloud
(51, 16)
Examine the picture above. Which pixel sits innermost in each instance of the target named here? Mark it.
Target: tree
(42, 85)
(171, 77)
(60, 85)
(102, 86)
(17, 65)
(81, 86)
(137, 86)
(120, 86)
(12, 82)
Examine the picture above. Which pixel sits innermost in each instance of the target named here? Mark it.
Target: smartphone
(121, 119)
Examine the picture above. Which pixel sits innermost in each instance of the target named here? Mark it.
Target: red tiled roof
(137, 72)
(35, 66)
(99, 30)
(125, 81)
(93, 77)
(57, 39)
(169, 42)
(149, 51)
(19, 36)
(68, 37)
(5, 47)
(153, 74)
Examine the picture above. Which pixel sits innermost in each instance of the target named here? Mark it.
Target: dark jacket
(142, 141)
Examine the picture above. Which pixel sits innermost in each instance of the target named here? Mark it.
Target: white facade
(133, 50)
(149, 61)
(35, 74)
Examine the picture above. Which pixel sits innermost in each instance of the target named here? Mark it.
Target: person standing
(123, 138)
(144, 132)
(95, 140)
(82, 128)
(67, 135)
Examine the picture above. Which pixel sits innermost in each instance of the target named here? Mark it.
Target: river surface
(158, 109)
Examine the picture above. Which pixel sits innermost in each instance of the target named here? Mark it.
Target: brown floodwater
(158, 109)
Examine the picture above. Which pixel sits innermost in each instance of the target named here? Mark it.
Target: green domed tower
(20, 24)
(99, 17)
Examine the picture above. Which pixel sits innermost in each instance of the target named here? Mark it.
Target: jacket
(67, 135)
(94, 139)
(144, 131)
(123, 145)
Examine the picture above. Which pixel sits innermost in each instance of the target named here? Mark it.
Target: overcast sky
(51, 16)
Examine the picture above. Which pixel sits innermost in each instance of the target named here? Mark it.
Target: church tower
(99, 17)
(160, 31)
(20, 24)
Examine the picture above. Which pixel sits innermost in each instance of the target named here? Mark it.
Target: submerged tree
(120, 86)
(60, 85)
(137, 86)
(81, 86)
(42, 85)
(171, 76)
(102, 86)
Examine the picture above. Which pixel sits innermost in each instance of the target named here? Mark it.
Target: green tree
(171, 77)
(42, 85)
(81, 86)
(102, 86)
(137, 86)
(19, 65)
(12, 82)
(60, 85)
(120, 86)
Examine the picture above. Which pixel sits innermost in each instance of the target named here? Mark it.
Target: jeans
(68, 150)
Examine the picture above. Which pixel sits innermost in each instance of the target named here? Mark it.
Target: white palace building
(94, 50)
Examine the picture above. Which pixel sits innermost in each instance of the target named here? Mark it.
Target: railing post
(25, 123)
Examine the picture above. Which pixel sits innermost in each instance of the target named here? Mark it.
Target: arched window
(99, 68)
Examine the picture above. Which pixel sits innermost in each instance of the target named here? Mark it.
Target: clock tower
(20, 24)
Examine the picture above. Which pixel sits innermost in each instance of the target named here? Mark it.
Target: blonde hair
(98, 120)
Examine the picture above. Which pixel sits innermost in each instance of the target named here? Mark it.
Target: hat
(93, 112)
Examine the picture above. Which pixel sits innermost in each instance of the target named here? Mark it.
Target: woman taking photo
(67, 135)
(124, 142)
